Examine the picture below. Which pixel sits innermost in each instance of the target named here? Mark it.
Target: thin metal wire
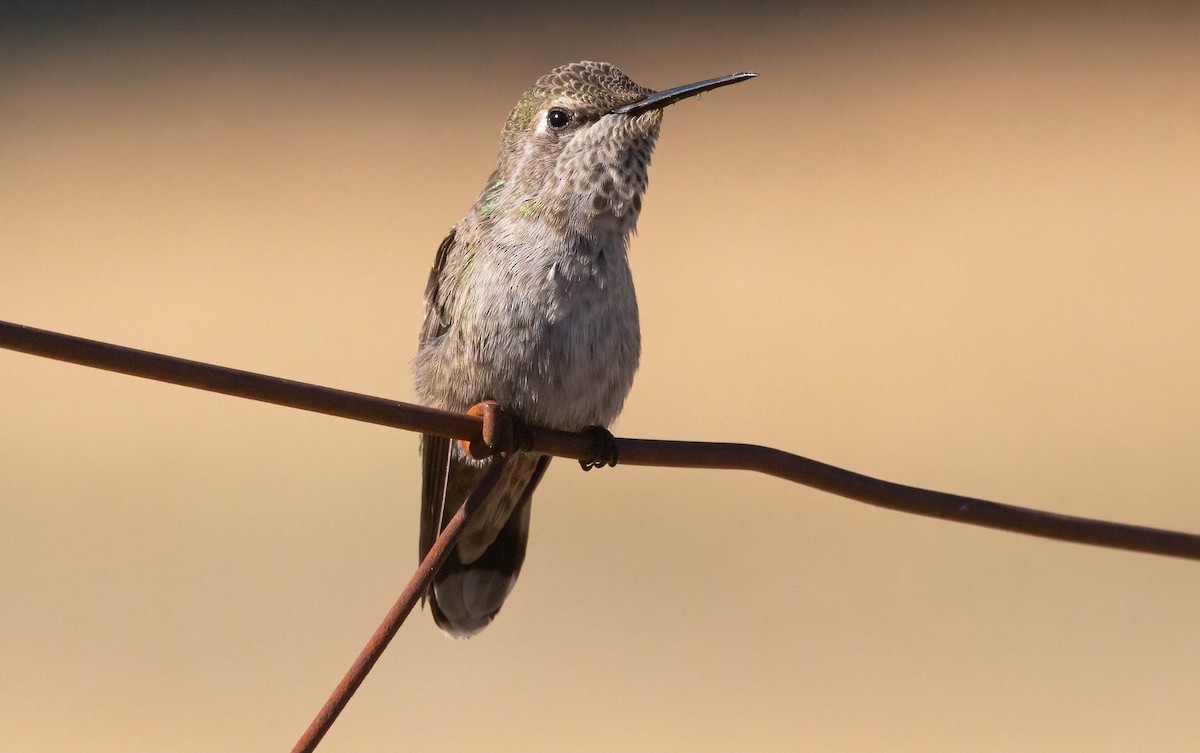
(479, 432)
(400, 610)
(580, 445)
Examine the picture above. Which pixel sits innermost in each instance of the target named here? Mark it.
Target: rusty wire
(395, 617)
(483, 436)
(655, 452)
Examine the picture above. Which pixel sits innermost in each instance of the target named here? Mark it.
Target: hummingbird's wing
(437, 320)
(435, 451)
(435, 465)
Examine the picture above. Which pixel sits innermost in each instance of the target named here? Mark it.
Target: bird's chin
(601, 220)
(645, 125)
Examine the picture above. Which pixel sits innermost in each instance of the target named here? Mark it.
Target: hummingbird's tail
(465, 597)
(471, 586)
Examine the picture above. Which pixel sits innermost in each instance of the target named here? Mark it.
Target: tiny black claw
(604, 449)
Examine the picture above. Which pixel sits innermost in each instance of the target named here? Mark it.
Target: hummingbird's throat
(607, 181)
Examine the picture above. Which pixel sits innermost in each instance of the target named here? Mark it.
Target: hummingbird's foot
(503, 433)
(604, 450)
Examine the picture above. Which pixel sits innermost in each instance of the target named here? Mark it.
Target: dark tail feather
(467, 596)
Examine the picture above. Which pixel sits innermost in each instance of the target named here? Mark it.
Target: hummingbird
(530, 303)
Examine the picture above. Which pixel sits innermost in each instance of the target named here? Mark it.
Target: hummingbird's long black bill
(659, 100)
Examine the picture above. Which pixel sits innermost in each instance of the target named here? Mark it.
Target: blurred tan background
(951, 246)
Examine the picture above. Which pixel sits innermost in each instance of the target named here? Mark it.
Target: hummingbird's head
(576, 148)
(566, 157)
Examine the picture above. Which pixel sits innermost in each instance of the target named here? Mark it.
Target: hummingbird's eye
(558, 118)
